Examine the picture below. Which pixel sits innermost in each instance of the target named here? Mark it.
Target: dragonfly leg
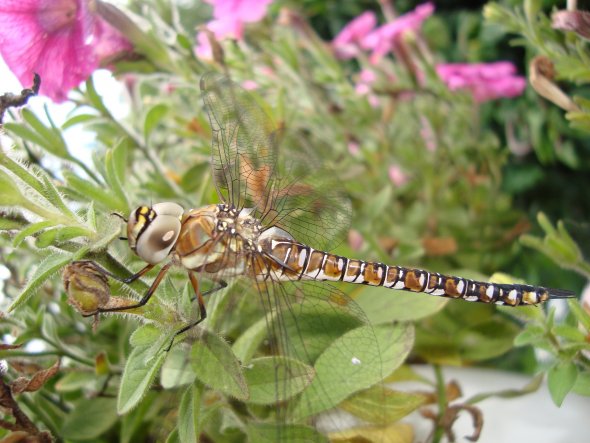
(202, 310)
(127, 280)
(144, 299)
(222, 284)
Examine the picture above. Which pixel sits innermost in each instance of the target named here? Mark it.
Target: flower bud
(86, 287)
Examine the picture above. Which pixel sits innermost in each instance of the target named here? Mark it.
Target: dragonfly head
(153, 231)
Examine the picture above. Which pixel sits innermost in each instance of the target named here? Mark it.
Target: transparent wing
(244, 141)
(291, 191)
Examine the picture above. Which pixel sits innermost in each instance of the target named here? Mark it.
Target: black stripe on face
(145, 216)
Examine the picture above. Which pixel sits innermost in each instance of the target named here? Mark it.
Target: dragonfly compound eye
(152, 232)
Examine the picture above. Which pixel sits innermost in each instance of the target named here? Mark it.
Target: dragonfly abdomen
(300, 261)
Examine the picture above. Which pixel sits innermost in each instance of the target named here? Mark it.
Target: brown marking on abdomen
(374, 273)
(412, 280)
(331, 270)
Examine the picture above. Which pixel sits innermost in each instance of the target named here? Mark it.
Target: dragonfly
(274, 228)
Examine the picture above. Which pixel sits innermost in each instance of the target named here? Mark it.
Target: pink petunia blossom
(61, 40)
(348, 41)
(382, 40)
(486, 81)
(228, 21)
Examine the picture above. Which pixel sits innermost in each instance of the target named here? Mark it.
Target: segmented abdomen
(296, 260)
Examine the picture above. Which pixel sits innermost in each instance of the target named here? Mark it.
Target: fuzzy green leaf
(53, 141)
(216, 366)
(90, 418)
(189, 414)
(24, 173)
(31, 229)
(139, 373)
(44, 271)
(92, 192)
(10, 194)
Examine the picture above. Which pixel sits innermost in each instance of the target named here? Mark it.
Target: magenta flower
(228, 21)
(486, 81)
(61, 40)
(348, 41)
(382, 40)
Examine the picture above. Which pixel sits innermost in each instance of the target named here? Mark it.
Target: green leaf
(176, 370)
(139, 373)
(382, 305)
(216, 366)
(145, 335)
(59, 235)
(379, 202)
(247, 343)
(25, 174)
(7, 224)
(571, 333)
(10, 194)
(77, 119)
(75, 381)
(26, 133)
(44, 271)
(31, 230)
(153, 117)
(354, 362)
(532, 334)
(580, 313)
(272, 433)
(91, 217)
(276, 379)
(89, 419)
(113, 172)
(380, 405)
(561, 379)
(189, 414)
(582, 386)
(53, 196)
(95, 98)
(529, 388)
(91, 192)
(53, 141)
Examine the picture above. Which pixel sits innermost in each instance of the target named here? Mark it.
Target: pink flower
(382, 39)
(61, 40)
(355, 240)
(353, 147)
(363, 86)
(348, 41)
(486, 81)
(427, 134)
(249, 85)
(397, 176)
(228, 21)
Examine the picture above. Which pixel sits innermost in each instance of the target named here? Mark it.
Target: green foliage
(460, 209)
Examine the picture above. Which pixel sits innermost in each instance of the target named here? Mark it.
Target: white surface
(530, 418)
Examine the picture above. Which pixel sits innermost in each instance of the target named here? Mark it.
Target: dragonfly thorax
(217, 237)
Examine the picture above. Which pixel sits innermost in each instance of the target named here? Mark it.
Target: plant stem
(442, 403)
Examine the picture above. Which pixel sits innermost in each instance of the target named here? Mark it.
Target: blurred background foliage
(436, 180)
